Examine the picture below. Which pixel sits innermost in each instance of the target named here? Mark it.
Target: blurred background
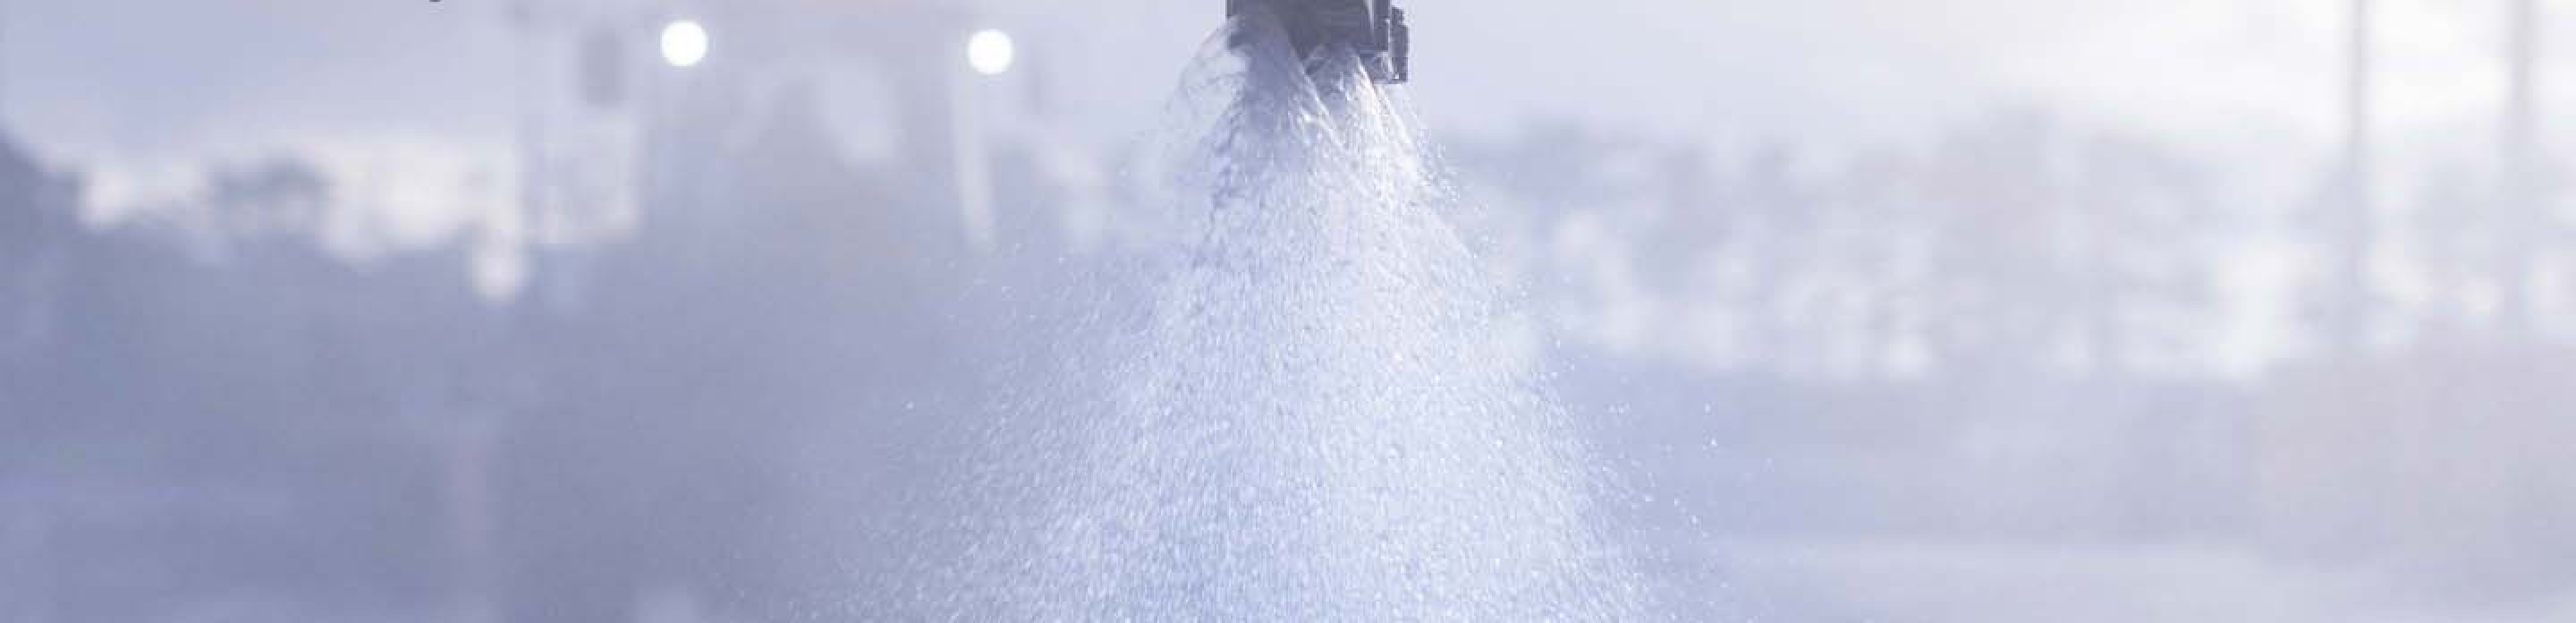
(656, 310)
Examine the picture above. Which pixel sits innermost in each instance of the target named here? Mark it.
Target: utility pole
(2349, 218)
(4, 61)
(2520, 216)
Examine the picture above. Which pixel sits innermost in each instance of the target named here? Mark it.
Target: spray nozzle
(1373, 29)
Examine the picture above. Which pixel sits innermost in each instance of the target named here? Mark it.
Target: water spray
(1301, 401)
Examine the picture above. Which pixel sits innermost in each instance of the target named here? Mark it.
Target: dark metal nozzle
(1373, 29)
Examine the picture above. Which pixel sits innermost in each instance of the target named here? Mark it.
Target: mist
(1987, 310)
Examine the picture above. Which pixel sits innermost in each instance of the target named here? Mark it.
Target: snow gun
(1373, 29)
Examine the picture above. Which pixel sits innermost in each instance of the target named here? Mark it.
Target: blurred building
(592, 406)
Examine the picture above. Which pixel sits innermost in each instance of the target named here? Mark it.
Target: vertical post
(939, 137)
(2350, 218)
(2357, 112)
(971, 168)
(5, 22)
(2519, 201)
(4, 62)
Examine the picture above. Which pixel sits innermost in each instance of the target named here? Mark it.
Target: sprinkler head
(1373, 29)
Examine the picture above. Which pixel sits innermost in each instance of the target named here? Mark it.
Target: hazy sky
(406, 101)
(1834, 69)
(144, 72)
(145, 85)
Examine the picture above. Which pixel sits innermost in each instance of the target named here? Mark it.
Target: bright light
(990, 52)
(684, 43)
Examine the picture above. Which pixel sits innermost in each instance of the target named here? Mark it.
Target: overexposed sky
(2252, 86)
(143, 94)
(1845, 68)
(140, 71)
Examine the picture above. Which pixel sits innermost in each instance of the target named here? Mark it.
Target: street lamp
(990, 52)
(684, 44)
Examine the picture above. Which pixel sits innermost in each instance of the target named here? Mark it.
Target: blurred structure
(592, 411)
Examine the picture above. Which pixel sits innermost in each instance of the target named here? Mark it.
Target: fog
(1841, 310)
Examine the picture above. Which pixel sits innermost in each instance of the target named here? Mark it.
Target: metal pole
(2520, 203)
(2351, 218)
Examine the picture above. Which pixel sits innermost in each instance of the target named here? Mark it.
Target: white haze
(1842, 310)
